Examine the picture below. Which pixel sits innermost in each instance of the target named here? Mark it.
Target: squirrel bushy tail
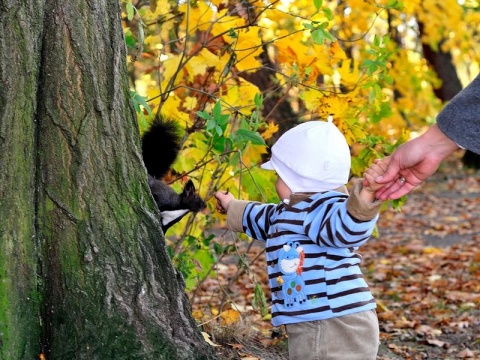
(160, 148)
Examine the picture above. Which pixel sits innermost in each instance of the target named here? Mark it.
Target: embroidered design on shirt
(290, 261)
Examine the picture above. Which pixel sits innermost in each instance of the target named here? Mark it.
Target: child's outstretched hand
(223, 200)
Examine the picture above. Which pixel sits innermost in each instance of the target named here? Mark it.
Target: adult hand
(413, 162)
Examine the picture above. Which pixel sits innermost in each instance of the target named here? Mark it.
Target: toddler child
(317, 288)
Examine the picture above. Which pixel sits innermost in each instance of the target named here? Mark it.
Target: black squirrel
(160, 148)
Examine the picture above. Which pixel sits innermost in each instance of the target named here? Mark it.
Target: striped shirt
(313, 269)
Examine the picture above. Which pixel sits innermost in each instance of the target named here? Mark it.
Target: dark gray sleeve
(460, 118)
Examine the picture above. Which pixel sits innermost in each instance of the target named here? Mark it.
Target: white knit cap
(311, 157)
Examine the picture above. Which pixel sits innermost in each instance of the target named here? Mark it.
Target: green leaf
(142, 100)
(395, 4)
(217, 110)
(130, 40)
(318, 37)
(328, 13)
(329, 36)
(249, 135)
(309, 26)
(139, 102)
(130, 11)
(141, 33)
(232, 33)
(219, 250)
(258, 100)
(204, 115)
(317, 4)
(260, 301)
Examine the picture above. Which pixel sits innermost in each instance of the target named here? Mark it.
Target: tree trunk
(84, 272)
(451, 86)
(19, 300)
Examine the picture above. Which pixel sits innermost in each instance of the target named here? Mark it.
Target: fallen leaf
(436, 342)
(230, 316)
(206, 337)
(467, 353)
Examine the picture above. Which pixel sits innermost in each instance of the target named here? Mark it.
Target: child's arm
(347, 223)
(252, 218)
(227, 204)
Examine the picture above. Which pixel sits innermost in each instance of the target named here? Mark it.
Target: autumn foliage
(236, 74)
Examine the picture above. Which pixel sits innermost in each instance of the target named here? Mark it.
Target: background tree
(83, 268)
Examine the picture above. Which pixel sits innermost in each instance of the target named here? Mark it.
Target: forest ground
(423, 269)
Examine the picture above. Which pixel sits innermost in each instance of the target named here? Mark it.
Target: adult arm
(460, 118)
(458, 124)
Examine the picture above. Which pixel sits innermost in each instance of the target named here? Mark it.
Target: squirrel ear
(189, 187)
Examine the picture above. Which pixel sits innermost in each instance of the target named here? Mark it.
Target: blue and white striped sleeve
(334, 222)
(257, 219)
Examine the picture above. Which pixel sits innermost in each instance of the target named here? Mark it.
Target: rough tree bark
(84, 273)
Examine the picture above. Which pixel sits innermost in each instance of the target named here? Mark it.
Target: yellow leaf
(432, 250)
(253, 154)
(349, 77)
(199, 17)
(248, 47)
(171, 109)
(170, 67)
(152, 40)
(311, 99)
(286, 54)
(198, 314)
(230, 316)
(163, 7)
(350, 127)
(240, 94)
(190, 158)
(224, 23)
(301, 59)
(381, 307)
(267, 317)
(217, 3)
(198, 64)
(190, 103)
(271, 129)
(336, 106)
(206, 337)
(336, 53)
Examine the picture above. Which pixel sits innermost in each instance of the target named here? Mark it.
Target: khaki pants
(349, 337)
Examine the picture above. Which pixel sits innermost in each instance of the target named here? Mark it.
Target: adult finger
(395, 191)
(404, 190)
(391, 172)
(390, 188)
